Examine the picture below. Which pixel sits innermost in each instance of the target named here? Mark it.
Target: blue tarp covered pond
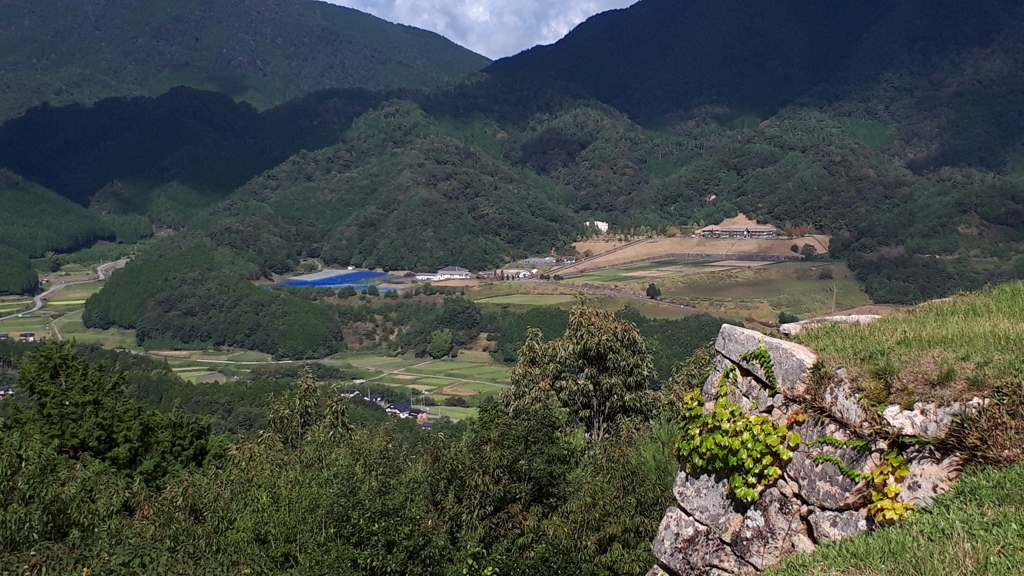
(335, 279)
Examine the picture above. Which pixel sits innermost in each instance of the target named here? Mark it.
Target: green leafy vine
(749, 448)
(886, 485)
(886, 482)
(761, 357)
(855, 443)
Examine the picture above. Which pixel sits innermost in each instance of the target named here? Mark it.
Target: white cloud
(494, 28)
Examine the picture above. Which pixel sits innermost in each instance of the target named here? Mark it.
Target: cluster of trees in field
(199, 297)
(530, 486)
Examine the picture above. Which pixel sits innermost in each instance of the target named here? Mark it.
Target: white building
(516, 272)
(601, 227)
(448, 273)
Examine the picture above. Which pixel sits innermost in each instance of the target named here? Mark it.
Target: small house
(27, 337)
(4, 336)
(351, 394)
(6, 391)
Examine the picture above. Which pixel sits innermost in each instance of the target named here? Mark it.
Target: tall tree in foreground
(598, 371)
(79, 408)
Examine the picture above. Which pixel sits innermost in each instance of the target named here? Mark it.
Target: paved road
(102, 273)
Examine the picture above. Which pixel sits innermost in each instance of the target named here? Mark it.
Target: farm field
(530, 299)
(75, 292)
(648, 272)
(14, 306)
(70, 326)
(452, 412)
(472, 376)
(655, 247)
(39, 325)
(803, 288)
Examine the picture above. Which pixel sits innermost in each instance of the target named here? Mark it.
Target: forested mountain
(398, 192)
(34, 221)
(170, 156)
(264, 52)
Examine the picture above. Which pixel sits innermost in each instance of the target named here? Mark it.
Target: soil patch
(454, 390)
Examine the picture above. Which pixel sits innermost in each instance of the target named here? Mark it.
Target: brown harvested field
(403, 376)
(687, 245)
(650, 273)
(454, 390)
(457, 283)
(596, 247)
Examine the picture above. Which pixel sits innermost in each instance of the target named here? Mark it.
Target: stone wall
(711, 533)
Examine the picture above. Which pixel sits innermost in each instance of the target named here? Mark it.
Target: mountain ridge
(264, 52)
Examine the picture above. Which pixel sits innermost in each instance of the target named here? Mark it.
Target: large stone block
(927, 419)
(772, 529)
(824, 485)
(791, 362)
(930, 475)
(842, 401)
(705, 497)
(828, 525)
(688, 548)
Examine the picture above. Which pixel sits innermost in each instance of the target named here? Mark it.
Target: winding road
(102, 273)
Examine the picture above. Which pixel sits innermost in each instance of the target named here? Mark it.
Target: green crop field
(801, 288)
(36, 324)
(530, 299)
(76, 291)
(453, 412)
(623, 275)
(71, 327)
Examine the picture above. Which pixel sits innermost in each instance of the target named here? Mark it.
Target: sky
(494, 28)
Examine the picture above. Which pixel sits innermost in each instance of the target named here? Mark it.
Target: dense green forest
(35, 220)
(326, 485)
(82, 51)
(170, 156)
(397, 193)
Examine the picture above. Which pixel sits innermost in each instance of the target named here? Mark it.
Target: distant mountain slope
(35, 220)
(171, 155)
(262, 51)
(398, 192)
(664, 57)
